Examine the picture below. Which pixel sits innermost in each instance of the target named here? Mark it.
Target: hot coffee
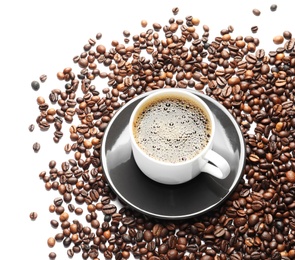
(172, 129)
(171, 134)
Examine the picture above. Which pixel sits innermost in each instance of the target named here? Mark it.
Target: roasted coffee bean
(70, 253)
(256, 12)
(148, 236)
(240, 221)
(290, 175)
(52, 255)
(163, 248)
(43, 78)
(59, 210)
(278, 39)
(35, 85)
(175, 10)
(254, 29)
(31, 127)
(157, 230)
(253, 220)
(219, 232)
(287, 35)
(33, 215)
(67, 242)
(109, 209)
(54, 223)
(36, 147)
(51, 242)
(58, 201)
(172, 241)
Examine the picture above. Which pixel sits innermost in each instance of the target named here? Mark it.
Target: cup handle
(220, 169)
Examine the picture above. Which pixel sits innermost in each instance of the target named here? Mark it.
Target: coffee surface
(172, 130)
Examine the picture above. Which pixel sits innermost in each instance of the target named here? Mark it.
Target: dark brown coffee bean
(54, 223)
(109, 209)
(36, 147)
(256, 12)
(33, 215)
(78, 211)
(253, 220)
(108, 254)
(219, 232)
(31, 127)
(52, 255)
(254, 29)
(70, 253)
(221, 81)
(148, 236)
(67, 242)
(157, 27)
(157, 230)
(255, 255)
(287, 35)
(172, 254)
(257, 205)
(59, 210)
(93, 254)
(175, 10)
(163, 249)
(43, 78)
(240, 221)
(172, 241)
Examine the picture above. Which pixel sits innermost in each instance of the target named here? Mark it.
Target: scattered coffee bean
(279, 39)
(40, 101)
(144, 23)
(54, 223)
(31, 127)
(98, 36)
(36, 147)
(33, 215)
(175, 10)
(256, 12)
(64, 216)
(43, 78)
(78, 211)
(57, 201)
(51, 242)
(254, 29)
(287, 35)
(52, 255)
(195, 21)
(35, 85)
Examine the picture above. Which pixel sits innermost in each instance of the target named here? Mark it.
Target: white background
(41, 37)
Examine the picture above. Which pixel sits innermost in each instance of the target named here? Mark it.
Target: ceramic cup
(175, 144)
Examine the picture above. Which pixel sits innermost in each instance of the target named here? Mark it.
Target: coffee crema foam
(171, 129)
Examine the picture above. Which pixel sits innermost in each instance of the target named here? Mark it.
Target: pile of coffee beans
(256, 222)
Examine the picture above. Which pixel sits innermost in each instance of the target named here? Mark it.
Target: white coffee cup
(167, 172)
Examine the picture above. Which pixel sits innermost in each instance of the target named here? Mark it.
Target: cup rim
(183, 92)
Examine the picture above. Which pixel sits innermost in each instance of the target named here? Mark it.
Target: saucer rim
(235, 182)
